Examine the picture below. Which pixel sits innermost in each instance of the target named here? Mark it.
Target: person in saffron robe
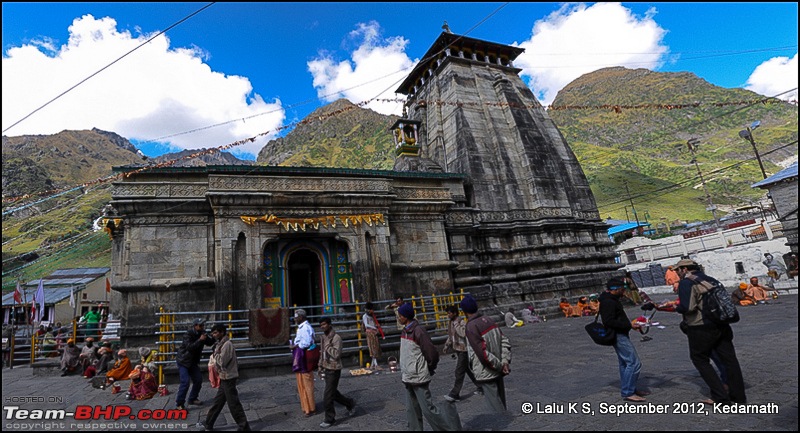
(672, 279)
(583, 306)
(740, 296)
(143, 384)
(122, 368)
(565, 307)
(756, 291)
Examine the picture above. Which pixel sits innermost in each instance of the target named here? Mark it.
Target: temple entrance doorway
(305, 279)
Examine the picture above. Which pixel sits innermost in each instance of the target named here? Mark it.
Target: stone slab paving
(554, 365)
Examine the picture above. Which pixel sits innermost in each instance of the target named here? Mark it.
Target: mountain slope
(352, 138)
(650, 142)
(67, 159)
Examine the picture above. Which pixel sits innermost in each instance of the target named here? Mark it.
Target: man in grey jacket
(418, 360)
(489, 354)
(331, 364)
(224, 361)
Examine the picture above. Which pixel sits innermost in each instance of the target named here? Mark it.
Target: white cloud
(153, 92)
(376, 69)
(775, 76)
(577, 39)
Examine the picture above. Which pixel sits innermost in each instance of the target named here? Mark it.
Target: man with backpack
(709, 330)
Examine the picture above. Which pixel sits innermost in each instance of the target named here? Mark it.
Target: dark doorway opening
(304, 281)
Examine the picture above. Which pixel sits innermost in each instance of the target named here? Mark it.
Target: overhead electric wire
(109, 65)
(670, 188)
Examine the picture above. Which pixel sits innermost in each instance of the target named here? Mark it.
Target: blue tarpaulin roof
(625, 227)
(786, 173)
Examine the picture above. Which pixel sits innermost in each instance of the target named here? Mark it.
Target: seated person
(122, 368)
(511, 319)
(740, 296)
(61, 338)
(583, 306)
(49, 343)
(148, 358)
(528, 315)
(565, 307)
(143, 384)
(88, 353)
(105, 356)
(594, 304)
(756, 291)
(70, 359)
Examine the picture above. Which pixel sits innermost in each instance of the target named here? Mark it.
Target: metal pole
(711, 206)
(638, 227)
(758, 157)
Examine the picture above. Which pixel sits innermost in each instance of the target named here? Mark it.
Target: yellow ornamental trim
(298, 224)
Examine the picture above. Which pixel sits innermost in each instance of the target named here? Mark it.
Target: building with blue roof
(782, 187)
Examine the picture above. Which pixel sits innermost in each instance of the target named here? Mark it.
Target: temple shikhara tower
(485, 196)
(528, 224)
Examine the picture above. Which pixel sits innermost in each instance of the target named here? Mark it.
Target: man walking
(457, 344)
(331, 365)
(223, 358)
(614, 317)
(489, 354)
(706, 337)
(187, 358)
(418, 360)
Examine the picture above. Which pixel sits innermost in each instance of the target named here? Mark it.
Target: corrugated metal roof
(79, 272)
(51, 296)
(786, 173)
(70, 277)
(625, 227)
(61, 282)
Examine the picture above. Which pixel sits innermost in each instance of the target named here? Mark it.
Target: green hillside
(58, 235)
(647, 140)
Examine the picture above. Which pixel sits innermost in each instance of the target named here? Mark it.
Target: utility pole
(633, 208)
(748, 134)
(692, 144)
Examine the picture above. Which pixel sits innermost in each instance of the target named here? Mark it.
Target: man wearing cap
(304, 339)
(188, 358)
(489, 354)
(418, 361)
(706, 336)
(70, 359)
(614, 317)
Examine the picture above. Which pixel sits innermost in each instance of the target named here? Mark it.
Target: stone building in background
(782, 187)
(486, 196)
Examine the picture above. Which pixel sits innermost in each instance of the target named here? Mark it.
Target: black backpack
(718, 307)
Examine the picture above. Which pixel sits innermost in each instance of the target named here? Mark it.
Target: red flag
(33, 312)
(108, 286)
(18, 294)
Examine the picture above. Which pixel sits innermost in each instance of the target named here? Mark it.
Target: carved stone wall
(190, 252)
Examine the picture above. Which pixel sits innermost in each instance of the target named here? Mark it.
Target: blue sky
(239, 70)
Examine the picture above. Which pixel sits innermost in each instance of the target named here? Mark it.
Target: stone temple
(485, 196)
